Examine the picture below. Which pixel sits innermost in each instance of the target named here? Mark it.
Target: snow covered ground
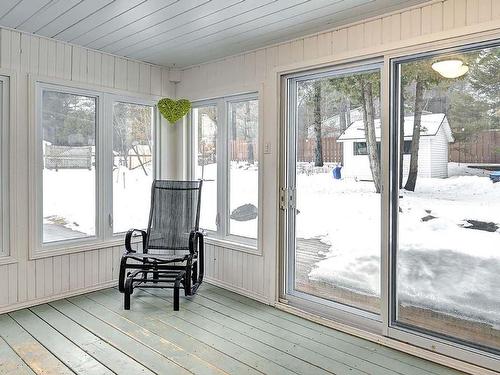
(442, 264)
(244, 190)
(69, 200)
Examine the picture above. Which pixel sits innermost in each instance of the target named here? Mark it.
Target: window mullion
(222, 168)
(106, 185)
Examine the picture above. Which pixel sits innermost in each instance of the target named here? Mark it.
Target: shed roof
(430, 125)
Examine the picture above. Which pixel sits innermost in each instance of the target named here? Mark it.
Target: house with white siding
(435, 135)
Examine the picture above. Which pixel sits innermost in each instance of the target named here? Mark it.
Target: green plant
(173, 110)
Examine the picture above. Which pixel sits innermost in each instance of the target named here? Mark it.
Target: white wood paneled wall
(27, 282)
(256, 275)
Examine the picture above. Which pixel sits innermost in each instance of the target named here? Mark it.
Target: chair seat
(157, 258)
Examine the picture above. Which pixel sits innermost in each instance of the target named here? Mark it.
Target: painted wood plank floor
(215, 332)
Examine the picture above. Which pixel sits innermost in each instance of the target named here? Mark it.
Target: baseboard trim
(55, 297)
(389, 342)
(241, 291)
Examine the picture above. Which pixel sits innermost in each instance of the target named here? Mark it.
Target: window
(226, 159)
(4, 166)
(69, 165)
(407, 147)
(360, 148)
(204, 120)
(132, 164)
(243, 168)
(94, 159)
(447, 255)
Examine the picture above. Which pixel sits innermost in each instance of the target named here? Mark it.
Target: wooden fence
(68, 157)
(332, 150)
(241, 150)
(484, 149)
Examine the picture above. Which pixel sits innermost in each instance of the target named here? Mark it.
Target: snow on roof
(430, 125)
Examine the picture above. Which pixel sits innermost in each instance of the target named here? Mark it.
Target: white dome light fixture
(452, 68)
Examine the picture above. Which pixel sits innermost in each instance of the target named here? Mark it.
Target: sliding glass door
(447, 189)
(334, 180)
(391, 200)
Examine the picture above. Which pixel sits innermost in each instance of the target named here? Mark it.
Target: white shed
(435, 136)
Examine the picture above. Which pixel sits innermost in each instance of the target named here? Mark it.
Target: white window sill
(72, 248)
(232, 245)
(7, 259)
(78, 247)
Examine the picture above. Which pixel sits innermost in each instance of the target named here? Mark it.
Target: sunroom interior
(346, 160)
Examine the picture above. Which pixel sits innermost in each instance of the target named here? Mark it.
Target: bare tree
(422, 76)
(415, 139)
(248, 137)
(361, 89)
(369, 125)
(318, 146)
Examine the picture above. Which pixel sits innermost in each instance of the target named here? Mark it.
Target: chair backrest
(174, 213)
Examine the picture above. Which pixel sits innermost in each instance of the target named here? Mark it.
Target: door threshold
(388, 342)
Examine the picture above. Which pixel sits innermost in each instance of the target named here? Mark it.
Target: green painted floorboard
(215, 332)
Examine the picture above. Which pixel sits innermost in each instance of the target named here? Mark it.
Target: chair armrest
(197, 249)
(196, 240)
(128, 240)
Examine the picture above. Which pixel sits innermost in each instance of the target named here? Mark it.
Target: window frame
(38, 168)
(222, 236)
(407, 149)
(356, 148)
(111, 100)
(422, 343)
(446, 345)
(370, 321)
(193, 150)
(105, 98)
(5, 203)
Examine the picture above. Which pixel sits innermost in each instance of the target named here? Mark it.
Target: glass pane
(132, 165)
(448, 261)
(337, 255)
(204, 122)
(243, 168)
(69, 166)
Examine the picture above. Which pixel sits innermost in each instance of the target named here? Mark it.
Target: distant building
(435, 135)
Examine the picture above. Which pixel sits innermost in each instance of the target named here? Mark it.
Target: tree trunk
(342, 115)
(250, 155)
(348, 113)
(318, 149)
(401, 137)
(415, 140)
(369, 125)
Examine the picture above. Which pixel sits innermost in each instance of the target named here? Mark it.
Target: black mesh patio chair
(172, 246)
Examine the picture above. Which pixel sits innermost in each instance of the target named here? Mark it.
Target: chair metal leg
(156, 275)
(122, 275)
(128, 290)
(126, 301)
(177, 285)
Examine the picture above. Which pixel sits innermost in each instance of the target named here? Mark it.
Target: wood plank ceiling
(179, 33)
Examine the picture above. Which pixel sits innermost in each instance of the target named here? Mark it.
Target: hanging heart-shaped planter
(173, 110)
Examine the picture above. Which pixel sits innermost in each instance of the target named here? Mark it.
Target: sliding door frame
(385, 328)
(449, 346)
(329, 308)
